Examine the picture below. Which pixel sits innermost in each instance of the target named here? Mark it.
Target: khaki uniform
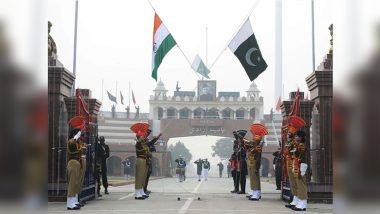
(289, 166)
(299, 158)
(83, 161)
(74, 185)
(254, 162)
(141, 163)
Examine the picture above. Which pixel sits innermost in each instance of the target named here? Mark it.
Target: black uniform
(152, 148)
(277, 162)
(221, 167)
(105, 153)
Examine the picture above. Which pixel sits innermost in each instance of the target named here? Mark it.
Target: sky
(115, 44)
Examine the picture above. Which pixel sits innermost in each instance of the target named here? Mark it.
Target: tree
(223, 148)
(180, 149)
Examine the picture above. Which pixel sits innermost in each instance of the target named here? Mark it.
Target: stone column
(60, 82)
(320, 84)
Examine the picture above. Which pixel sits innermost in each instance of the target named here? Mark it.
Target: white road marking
(127, 196)
(197, 187)
(186, 206)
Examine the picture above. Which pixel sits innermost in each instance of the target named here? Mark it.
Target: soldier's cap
(101, 138)
(74, 132)
(242, 132)
(301, 134)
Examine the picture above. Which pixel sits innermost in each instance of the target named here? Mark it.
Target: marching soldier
(206, 168)
(152, 148)
(228, 169)
(181, 168)
(127, 168)
(142, 150)
(254, 150)
(199, 168)
(221, 167)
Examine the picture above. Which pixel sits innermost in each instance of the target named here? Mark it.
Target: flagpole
(116, 92)
(233, 35)
(75, 45)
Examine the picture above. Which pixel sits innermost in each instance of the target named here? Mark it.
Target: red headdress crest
(258, 130)
(78, 122)
(295, 123)
(140, 128)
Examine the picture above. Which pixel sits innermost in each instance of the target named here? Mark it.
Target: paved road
(214, 198)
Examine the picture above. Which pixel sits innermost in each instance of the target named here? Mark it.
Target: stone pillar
(320, 84)
(60, 82)
(164, 113)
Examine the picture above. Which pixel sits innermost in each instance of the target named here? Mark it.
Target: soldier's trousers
(301, 188)
(293, 184)
(254, 177)
(149, 172)
(141, 172)
(242, 179)
(73, 178)
(236, 180)
(82, 172)
(104, 176)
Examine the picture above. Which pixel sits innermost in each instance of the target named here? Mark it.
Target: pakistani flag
(246, 49)
(200, 67)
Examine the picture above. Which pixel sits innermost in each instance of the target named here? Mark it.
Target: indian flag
(163, 41)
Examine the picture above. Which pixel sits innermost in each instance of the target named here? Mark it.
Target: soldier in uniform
(199, 163)
(104, 155)
(294, 123)
(77, 138)
(221, 167)
(254, 150)
(242, 170)
(127, 168)
(142, 150)
(152, 148)
(73, 170)
(228, 169)
(206, 169)
(300, 167)
(181, 168)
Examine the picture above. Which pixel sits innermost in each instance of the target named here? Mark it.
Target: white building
(224, 105)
